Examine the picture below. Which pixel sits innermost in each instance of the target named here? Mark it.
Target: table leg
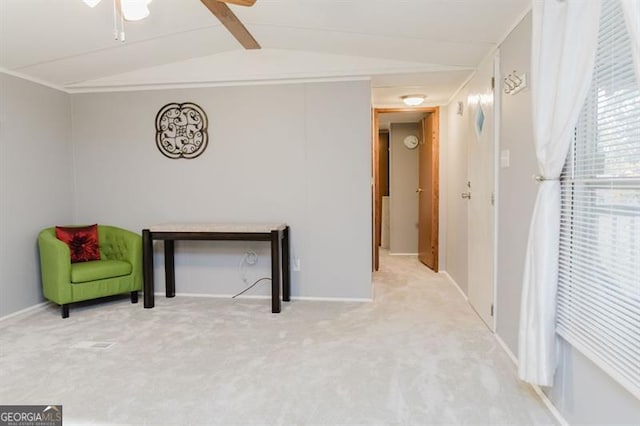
(275, 272)
(169, 269)
(147, 268)
(286, 271)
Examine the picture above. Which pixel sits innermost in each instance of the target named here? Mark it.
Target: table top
(218, 227)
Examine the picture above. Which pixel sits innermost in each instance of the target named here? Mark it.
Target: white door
(480, 191)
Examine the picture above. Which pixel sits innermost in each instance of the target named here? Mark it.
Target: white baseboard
(43, 305)
(506, 349)
(454, 283)
(33, 308)
(333, 299)
(545, 399)
(305, 298)
(213, 295)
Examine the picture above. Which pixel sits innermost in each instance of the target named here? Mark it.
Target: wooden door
(428, 191)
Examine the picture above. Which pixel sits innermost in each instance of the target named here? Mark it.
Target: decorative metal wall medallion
(181, 130)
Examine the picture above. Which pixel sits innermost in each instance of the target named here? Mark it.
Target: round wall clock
(411, 141)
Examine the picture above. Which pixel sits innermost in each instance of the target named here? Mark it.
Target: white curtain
(632, 18)
(564, 42)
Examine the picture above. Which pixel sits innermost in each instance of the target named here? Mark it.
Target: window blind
(599, 274)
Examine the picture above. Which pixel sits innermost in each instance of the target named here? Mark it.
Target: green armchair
(118, 271)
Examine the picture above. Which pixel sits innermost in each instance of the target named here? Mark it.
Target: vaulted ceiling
(405, 46)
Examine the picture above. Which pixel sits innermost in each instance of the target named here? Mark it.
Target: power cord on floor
(251, 286)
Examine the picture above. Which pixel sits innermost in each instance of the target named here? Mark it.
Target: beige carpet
(417, 355)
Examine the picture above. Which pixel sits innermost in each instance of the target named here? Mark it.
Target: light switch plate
(505, 158)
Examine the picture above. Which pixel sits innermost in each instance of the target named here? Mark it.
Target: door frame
(377, 201)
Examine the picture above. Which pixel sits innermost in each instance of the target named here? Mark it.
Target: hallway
(459, 364)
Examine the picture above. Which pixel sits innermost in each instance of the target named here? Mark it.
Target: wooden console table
(277, 234)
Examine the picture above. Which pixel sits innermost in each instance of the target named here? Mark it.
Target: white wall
(297, 153)
(403, 181)
(516, 187)
(36, 183)
(582, 392)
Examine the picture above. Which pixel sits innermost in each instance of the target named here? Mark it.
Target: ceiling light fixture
(124, 10)
(413, 100)
(134, 10)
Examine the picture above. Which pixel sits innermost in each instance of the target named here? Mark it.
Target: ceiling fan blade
(232, 23)
(240, 2)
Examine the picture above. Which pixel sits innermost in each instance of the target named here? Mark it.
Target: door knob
(419, 190)
(466, 195)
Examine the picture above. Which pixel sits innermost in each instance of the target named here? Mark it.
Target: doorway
(420, 194)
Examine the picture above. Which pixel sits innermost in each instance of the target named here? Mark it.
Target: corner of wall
(37, 120)
(74, 173)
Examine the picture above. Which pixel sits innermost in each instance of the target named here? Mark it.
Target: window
(599, 276)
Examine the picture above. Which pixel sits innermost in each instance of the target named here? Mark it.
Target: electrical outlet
(296, 263)
(251, 257)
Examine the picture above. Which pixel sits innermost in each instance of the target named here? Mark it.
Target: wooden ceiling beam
(232, 23)
(240, 2)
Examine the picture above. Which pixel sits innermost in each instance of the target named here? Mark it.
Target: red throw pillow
(82, 242)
